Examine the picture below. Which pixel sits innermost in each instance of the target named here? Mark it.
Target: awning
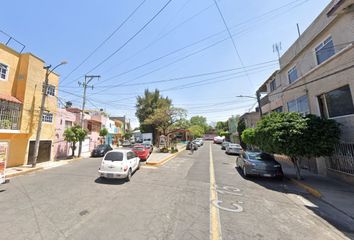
(9, 98)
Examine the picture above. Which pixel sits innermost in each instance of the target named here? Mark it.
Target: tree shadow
(318, 206)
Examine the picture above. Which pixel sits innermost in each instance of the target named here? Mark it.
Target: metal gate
(343, 158)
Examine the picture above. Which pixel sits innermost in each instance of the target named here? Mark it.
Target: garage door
(43, 153)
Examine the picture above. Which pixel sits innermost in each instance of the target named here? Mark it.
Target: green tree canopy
(200, 121)
(165, 117)
(296, 136)
(103, 132)
(249, 136)
(75, 134)
(196, 131)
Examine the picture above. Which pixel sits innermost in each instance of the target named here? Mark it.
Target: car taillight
(249, 163)
(125, 168)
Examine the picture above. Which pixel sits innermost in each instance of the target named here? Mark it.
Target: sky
(185, 51)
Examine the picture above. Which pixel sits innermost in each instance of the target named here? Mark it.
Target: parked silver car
(233, 148)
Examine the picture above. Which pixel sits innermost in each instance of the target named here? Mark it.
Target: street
(175, 201)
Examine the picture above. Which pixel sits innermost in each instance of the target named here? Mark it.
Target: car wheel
(129, 176)
(245, 172)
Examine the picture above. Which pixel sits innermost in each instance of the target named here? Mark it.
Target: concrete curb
(314, 192)
(19, 173)
(166, 159)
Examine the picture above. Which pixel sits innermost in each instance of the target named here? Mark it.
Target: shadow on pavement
(332, 215)
(112, 181)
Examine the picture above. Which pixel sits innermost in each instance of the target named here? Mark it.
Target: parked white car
(200, 140)
(120, 163)
(233, 148)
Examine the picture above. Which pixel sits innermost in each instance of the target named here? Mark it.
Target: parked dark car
(101, 150)
(259, 164)
(190, 145)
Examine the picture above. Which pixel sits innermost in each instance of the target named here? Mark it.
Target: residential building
(21, 85)
(63, 120)
(251, 119)
(316, 75)
(113, 131)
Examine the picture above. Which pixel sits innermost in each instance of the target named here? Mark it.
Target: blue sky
(188, 38)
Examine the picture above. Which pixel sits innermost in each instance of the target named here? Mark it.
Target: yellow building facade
(21, 84)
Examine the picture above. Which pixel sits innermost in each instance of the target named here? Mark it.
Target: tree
(196, 130)
(241, 126)
(296, 136)
(147, 104)
(249, 136)
(81, 134)
(200, 121)
(182, 124)
(74, 135)
(221, 127)
(103, 132)
(165, 117)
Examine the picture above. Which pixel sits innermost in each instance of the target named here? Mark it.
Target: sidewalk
(337, 194)
(157, 158)
(21, 170)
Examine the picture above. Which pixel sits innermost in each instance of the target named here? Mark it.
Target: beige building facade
(316, 73)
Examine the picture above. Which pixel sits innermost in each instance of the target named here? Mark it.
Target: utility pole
(41, 110)
(277, 48)
(85, 84)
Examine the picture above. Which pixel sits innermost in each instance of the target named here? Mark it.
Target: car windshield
(101, 147)
(114, 156)
(260, 156)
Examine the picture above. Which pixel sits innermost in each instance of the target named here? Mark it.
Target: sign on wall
(4, 146)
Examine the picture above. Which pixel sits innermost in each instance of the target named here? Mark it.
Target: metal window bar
(343, 158)
(10, 114)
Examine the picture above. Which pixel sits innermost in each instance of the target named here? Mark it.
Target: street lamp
(258, 97)
(44, 94)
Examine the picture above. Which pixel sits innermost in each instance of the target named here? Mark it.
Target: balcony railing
(264, 100)
(10, 114)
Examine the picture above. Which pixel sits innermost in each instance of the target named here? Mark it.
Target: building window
(324, 50)
(279, 109)
(299, 105)
(272, 85)
(4, 71)
(10, 115)
(292, 75)
(50, 89)
(336, 103)
(68, 124)
(47, 117)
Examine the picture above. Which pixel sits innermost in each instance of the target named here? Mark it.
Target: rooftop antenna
(298, 29)
(277, 49)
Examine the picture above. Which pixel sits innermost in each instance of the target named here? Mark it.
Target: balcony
(264, 101)
(10, 113)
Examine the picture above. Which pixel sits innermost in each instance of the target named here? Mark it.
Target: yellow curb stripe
(215, 228)
(163, 161)
(308, 188)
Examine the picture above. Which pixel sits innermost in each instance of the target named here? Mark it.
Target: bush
(249, 136)
(164, 150)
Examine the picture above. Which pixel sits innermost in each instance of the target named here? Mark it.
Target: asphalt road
(178, 200)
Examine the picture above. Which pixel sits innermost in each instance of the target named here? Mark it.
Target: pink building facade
(63, 120)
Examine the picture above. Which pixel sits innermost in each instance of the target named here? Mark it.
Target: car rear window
(261, 156)
(114, 156)
(139, 148)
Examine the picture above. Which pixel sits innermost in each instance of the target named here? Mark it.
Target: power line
(231, 38)
(185, 77)
(105, 40)
(210, 36)
(131, 38)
